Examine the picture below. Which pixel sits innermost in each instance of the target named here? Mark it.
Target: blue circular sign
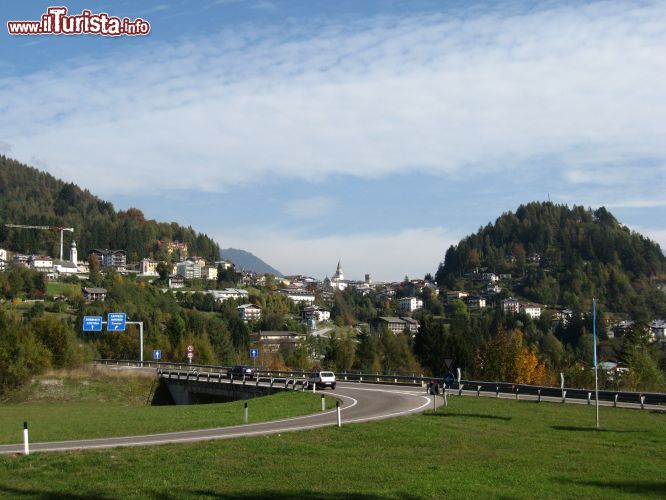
(448, 379)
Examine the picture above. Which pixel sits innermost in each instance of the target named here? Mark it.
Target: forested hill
(566, 256)
(31, 197)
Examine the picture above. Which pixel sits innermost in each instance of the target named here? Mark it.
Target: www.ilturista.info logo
(55, 21)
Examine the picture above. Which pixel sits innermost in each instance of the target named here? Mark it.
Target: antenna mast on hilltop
(49, 228)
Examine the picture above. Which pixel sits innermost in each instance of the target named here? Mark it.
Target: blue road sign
(115, 322)
(157, 354)
(254, 353)
(92, 323)
(448, 379)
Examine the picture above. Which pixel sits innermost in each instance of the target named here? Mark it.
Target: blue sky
(378, 133)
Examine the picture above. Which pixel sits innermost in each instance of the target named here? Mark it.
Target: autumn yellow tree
(506, 358)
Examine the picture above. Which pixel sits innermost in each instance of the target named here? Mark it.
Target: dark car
(240, 371)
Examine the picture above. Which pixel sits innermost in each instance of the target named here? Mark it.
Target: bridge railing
(415, 380)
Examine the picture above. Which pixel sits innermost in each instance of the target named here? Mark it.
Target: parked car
(321, 380)
(238, 371)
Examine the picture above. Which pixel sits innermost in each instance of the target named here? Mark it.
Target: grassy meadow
(475, 448)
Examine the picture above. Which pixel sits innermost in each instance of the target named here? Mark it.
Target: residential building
(229, 293)
(475, 303)
(511, 305)
(3, 259)
(658, 330)
(249, 312)
(21, 259)
(298, 296)
(209, 273)
(490, 277)
(41, 263)
(197, 260)
(455, 295)
(315, 314)
(188, 269)
(116, 259)
(171, 246)
(398, 325)
(226, 264)
(532, 310)
(148, 267)
(176, 281)
(410, 304)
(277, 341)
(91, 293)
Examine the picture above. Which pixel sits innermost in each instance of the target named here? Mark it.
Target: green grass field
(91, 404)
(477, 447)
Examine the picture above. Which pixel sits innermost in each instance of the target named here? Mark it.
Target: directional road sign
(448, 379)
(92, 323)
(254, 353)
(157, 354)
(115, 322)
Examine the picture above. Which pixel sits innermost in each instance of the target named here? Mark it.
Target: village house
(92, 293)
(511, 305)
(148, 267)
(249, 312)
(398, 325)
(176, 281)
(315, 314)
(410, 304)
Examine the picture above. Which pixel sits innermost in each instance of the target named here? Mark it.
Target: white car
(321, 380)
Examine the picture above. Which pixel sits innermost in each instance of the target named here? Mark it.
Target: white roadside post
(337, 404)
(245, 414)
(323, 403)
(26, 446)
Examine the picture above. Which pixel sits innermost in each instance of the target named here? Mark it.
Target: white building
(410, 304)
(510, 305)
(474, 303)
(298, 296)
(315, 314)
(40, 263)
(229, 293)
(188, 269)
(658, 330)
(3, 259)
(338, 279)
(70, 266)
(249, 312)
(148, 267)
(209, 273)
(532, 310)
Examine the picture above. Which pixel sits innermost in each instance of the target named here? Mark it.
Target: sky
(377, 133)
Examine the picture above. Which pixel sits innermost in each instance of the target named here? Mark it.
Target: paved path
(359, 404)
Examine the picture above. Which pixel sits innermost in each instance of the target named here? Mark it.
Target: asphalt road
(359, 403)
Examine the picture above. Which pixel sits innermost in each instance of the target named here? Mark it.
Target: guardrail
(485, 387)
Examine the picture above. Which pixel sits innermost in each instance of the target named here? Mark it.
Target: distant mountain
(249, 262)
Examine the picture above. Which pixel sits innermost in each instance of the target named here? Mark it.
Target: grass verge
(475, 448)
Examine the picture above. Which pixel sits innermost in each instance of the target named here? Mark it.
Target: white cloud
(370, 98)
(390, 256)
(310, 208)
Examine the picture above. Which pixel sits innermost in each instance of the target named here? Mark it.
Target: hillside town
(313, 298)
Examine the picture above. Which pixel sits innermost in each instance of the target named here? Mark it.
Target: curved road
(359, 404)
